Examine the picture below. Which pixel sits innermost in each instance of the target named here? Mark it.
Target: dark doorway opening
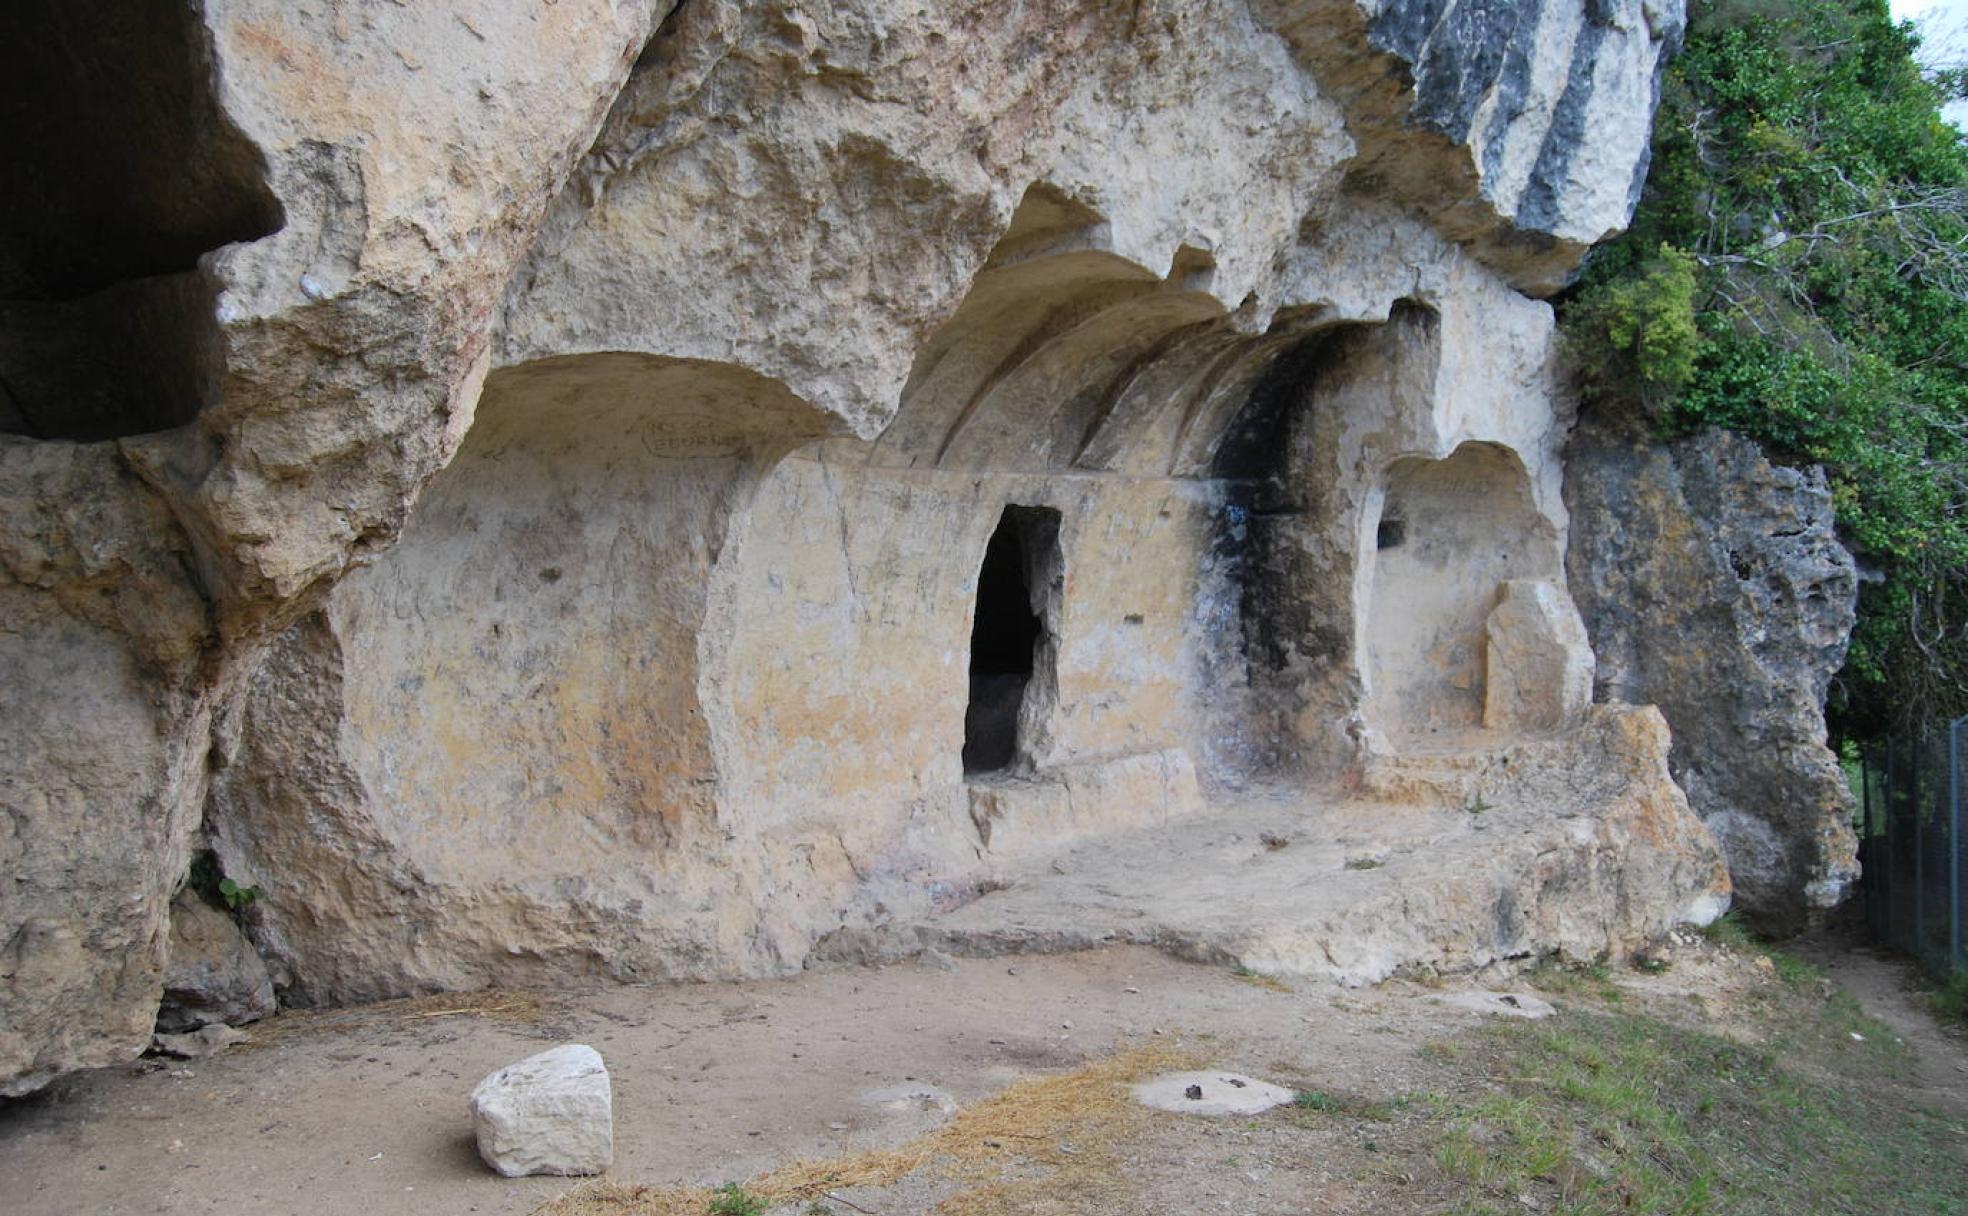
(1010, 637)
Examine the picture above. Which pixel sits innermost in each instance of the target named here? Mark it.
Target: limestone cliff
(1714, 586)
(729, 333)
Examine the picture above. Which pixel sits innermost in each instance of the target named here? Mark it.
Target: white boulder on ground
(552, 1113)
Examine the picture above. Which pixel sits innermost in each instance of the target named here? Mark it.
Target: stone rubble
(207, 1040)
(213, 973)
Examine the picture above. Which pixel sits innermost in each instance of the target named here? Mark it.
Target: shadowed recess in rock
(1008, 639)
(132, 171)
(1451, 533)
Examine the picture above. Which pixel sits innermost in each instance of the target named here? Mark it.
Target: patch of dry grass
(502, 1004)
(605, 1198)
(1067, 1125)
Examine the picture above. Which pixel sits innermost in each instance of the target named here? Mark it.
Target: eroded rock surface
(213, 973)
(728, 333)
(1714, 586)
(1577, 844)
(286, 420)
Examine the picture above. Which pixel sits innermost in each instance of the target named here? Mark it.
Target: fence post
(1865, 839)
(1954, 843)
(1919, 858)
(1892, 835)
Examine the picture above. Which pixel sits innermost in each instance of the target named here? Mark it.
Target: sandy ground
(363, 1111)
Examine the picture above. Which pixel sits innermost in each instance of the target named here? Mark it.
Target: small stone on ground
(1502, 1004)
(911, 1098)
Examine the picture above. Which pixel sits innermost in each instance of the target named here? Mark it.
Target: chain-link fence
(1911, 845)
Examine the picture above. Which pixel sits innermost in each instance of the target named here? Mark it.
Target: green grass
(1603, 1114)
(1258, 979)
(1576, 980)
(734, 1200)
(1951, 1000)
(1310, 1105)
(1791, 969)
(1729, 930)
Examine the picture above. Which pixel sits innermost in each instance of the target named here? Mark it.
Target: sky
(1944, 33)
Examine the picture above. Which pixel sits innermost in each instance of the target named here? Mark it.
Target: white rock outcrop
(1538, 673)
(532, 521)
(551, 1113)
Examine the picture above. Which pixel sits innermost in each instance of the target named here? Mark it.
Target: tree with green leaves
(1797, 271)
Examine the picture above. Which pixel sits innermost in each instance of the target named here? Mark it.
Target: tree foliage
(1798, 271)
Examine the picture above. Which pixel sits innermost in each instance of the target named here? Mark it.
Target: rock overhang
(804, 206)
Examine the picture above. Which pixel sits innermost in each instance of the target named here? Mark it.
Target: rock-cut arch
(521, 699)
(1467, 627)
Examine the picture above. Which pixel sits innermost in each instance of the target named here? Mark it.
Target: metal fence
(1911, 845)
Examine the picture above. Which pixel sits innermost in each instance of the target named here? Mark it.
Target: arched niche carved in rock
(1453, 540)
(526, 658)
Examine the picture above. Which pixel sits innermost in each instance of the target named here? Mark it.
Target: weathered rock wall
(641, 692)
(101, 771)
(1714, 586)
(1043, 255)
(408, 177)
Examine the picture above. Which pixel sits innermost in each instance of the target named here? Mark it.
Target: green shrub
(1797, 271)
(1951, 999)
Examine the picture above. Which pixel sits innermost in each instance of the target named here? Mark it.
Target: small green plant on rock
(206, 878)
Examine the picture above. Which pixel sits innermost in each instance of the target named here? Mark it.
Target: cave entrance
(1012, 639)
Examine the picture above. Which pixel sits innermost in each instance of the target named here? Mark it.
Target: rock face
(213, 973)
(1714, 586)
(1538, 670)
(1574, 843)
(308, 217)
(99, 679)
(521, 478)
(552, 1113)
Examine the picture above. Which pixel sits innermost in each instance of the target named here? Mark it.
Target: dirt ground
(363, 1110)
